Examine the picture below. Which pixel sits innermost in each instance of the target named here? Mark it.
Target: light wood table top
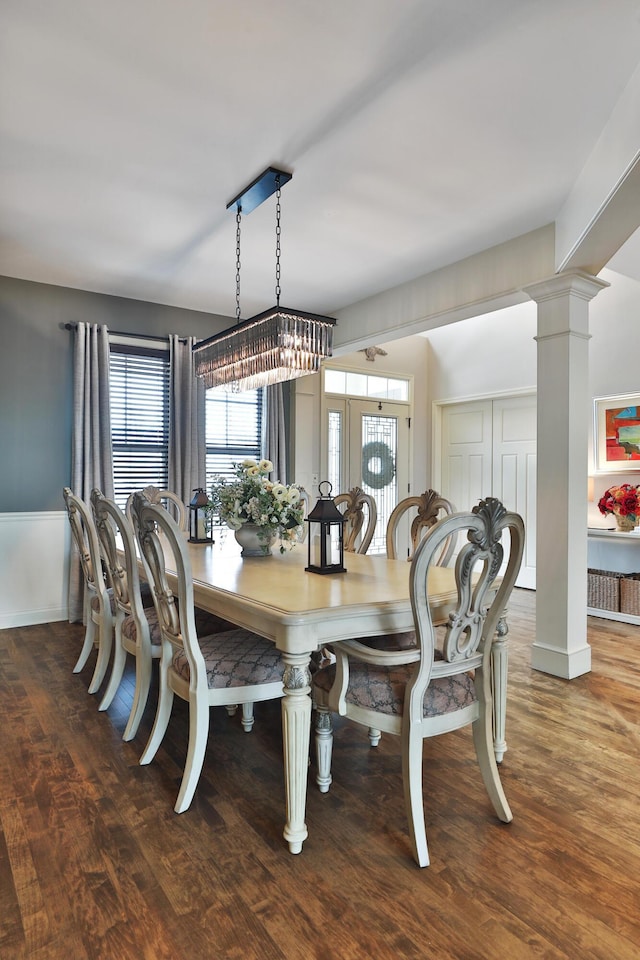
(275, 597)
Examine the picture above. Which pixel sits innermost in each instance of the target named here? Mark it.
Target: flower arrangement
(623, 501)
(276, 508)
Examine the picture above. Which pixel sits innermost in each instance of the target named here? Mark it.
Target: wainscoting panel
(34, 568)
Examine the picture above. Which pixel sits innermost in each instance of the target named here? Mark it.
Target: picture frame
(616, 433)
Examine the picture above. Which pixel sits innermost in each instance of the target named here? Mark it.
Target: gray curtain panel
(187, 427)
(275, 440)
(91, 452)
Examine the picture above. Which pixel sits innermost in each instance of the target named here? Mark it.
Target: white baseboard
(27, 618)
(34, 568)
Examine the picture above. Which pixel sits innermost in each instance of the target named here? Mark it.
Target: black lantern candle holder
(198, 519)
(325, 539)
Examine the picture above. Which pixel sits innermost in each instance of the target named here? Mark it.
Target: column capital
(573, 282)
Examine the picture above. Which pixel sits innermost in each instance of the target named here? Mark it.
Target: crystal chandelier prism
(276, 345)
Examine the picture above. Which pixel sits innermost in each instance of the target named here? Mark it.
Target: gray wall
(36, 388)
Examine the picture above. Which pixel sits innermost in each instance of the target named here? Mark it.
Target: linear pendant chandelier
(276, 345)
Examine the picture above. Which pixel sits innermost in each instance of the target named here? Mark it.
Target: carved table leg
(296, 724)
(499, 663)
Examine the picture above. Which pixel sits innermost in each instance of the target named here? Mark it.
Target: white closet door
(466, 452)
(514, 470)
(489, 449)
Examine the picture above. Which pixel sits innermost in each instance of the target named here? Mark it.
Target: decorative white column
(564, 410)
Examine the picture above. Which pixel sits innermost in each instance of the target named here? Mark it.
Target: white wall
(496, 353)
(34, 567)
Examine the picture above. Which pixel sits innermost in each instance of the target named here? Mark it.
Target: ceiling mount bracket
(260, 189)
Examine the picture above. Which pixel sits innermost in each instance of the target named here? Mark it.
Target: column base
(561, 663)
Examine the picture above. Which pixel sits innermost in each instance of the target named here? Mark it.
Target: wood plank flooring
(95, 864)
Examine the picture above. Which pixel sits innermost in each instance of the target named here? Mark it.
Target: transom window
(351, 383)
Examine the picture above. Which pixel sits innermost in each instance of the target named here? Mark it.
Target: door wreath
(378, 454)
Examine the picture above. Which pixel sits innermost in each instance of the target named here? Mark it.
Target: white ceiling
(418, 132)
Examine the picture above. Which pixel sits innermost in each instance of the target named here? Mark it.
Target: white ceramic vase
(254, 540)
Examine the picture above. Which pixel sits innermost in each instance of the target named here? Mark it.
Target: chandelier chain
(238, 221)
(278, 232)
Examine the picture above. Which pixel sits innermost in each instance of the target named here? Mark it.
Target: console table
(612, 550)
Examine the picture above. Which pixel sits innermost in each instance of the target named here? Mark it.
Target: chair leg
(87, 646)
(105, 634)
(117, 672)
(231, 709)
(198, 736)
(483, 742)
(247, 716)
(374, 736)
(412, 744)
(324, 748)
(140, 695)
(499, 664)
(161, 722)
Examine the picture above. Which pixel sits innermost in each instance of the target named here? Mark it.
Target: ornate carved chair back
(429, 507)
(172, 502)
(353, 505)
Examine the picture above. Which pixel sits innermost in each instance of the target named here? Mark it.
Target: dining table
(301, 612)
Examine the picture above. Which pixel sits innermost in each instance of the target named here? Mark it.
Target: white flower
(249, 463)
(265, 466)
(279, 491)
(253, 471)
(294, 495)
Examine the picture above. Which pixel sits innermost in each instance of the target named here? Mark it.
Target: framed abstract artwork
(617, 433)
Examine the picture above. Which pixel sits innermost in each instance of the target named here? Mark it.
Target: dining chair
(136, 624)
(414, 694)
(356, 534)
(98, 597)
(166, 498)
(428, 507)
(221, 669)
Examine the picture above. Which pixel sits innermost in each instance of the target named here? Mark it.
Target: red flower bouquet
(623, 501)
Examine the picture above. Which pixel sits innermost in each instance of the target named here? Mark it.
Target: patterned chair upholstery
(416, 694)
(228, 668)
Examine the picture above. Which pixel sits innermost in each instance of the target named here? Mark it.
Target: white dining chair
(415, 694)
(226, 669)
(136, 624)
(98, 598)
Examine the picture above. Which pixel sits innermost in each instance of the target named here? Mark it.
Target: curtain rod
(121, 333)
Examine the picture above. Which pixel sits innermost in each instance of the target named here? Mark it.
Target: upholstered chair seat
(372, 687)
(234, 659)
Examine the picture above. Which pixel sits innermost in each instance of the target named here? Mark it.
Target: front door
(368, 447)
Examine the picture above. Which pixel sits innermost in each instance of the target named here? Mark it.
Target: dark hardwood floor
(95, 864)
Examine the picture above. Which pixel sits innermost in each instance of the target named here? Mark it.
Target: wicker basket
(630, 594)
(603, 591)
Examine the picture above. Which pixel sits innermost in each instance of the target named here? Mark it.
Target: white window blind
(234, 429)
(139, 395)
(140, 410)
